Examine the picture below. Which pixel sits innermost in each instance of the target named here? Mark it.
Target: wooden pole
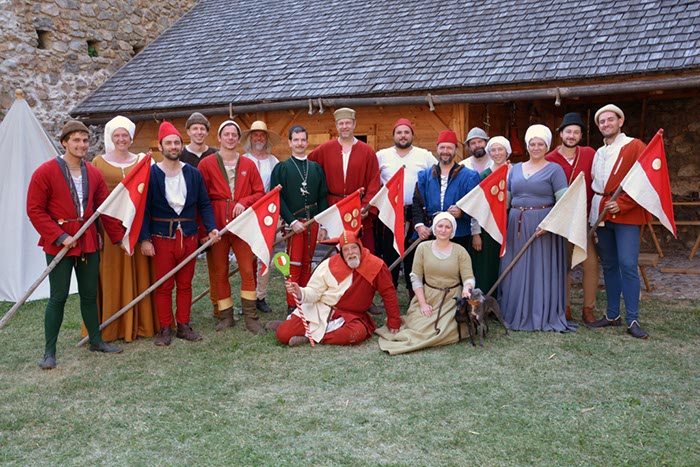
(604, 212)
(411, 247)
(46, 272)
(515, 260)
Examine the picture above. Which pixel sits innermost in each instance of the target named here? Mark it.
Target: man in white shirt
(390, 160)
(258, 142)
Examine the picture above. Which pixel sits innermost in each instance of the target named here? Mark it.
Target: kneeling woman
(442, 271)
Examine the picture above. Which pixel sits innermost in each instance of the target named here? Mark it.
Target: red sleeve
(38, 194)
(257, 189)
(373, 182)
(384, 284)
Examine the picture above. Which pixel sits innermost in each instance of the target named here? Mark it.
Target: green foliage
(590, 397)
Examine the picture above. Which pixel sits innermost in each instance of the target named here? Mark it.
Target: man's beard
(172, 156)
(259, 146)
(570, 145)
(403, 145)
(479, 153)
(354, 263)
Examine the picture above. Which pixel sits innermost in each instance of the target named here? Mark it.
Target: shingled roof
(241, 52)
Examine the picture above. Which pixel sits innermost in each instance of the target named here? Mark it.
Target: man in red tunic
(63, 193)
(233, 184)
(336, 299)
(349, 164)
(576, 159)
(618, 233)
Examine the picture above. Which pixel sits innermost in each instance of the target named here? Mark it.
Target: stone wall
(59, 51)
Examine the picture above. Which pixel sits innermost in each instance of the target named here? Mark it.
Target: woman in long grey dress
(533, 294)
(442, 271)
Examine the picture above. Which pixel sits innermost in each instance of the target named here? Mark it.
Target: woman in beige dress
(442, 271)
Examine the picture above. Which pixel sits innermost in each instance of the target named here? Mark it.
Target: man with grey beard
(337, 297)
(258, 142)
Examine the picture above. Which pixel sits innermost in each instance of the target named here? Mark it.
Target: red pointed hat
(448, 136)
(348, 236)
(167, 129)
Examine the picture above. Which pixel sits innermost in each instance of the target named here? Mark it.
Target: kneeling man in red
(338, 295)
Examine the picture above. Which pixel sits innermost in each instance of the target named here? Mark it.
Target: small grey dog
(477, 309)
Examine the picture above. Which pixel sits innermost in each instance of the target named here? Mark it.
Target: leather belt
(604, 194)
(531, 208)
(172, 221)
(444, 291)
(65, 221)
(305, 209)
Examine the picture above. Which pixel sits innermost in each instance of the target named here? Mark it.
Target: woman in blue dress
(533, 294)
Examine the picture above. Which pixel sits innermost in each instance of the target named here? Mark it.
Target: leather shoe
(262, 305)
(164, 338)
(273, 325)
(184, 331)
(605, 322)
(105, 347)
(48, 362)
(635, 330)
(298, 340)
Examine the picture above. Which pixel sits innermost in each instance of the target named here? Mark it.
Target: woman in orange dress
(123, 277)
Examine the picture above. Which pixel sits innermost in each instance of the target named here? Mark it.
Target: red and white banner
(389, 201)
(127, 202)
(343, 215)
(568, 218)
(648, 183)
(257, 226)
(487, 204)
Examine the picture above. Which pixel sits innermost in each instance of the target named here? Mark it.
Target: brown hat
(197, 118)
(258, 125)
(344, 112)
(72, 126)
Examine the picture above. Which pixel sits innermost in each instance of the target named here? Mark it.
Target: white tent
(25, 145)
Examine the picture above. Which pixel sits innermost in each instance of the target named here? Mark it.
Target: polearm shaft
(604, 212)
(47, 271)
(515, 260)
(412, 247)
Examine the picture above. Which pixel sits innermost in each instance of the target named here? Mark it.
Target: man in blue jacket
(440, 187)
(176, 195)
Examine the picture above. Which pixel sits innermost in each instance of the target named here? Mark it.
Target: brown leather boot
(587, 315)
(164, 338)
(298, 340)
(184, 331)
(225, 319)
(252, 321)
(273, 325)
(568, 313)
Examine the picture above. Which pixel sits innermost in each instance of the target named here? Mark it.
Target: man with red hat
(176, 197)
(234, 184)
(440, 187)
(390, 160)
(63, 193)
(349, 164)
(336, 299)
(576, 159)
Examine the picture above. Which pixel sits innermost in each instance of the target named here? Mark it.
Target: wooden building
(496, 64)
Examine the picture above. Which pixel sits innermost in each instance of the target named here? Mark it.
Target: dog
(474, 311)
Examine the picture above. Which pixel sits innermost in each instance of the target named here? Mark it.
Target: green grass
(590, 397)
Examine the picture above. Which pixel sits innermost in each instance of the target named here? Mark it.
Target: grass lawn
(590, 397)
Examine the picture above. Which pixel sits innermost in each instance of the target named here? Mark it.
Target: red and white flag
(257, 226)
(343, 215)
(127, 202)
(648, 183)
(487, 204)
(389, 201)
(568, 218)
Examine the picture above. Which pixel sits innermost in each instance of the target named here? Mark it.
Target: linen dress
(418, 331)
(533, 294)
(123, 278)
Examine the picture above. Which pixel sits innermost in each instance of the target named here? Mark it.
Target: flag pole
(47, 271)
(604, 212)
(160, 281)
(515, 260)
(412, 247)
